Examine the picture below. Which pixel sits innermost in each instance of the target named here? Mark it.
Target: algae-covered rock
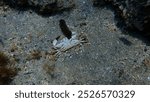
(136, 13)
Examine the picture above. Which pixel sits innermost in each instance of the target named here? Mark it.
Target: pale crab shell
(66, 43)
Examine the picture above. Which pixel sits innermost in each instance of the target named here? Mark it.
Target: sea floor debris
(64, 44)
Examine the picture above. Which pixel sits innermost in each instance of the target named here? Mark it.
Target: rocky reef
(42, 6)
(102, 53)
(135, 13)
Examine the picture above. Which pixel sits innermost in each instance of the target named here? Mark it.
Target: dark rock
(98, 2)
(136, 13)
(48, 6)
(42, 6)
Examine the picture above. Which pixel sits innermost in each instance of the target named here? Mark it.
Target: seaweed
(34, 55)
(3, 59)
(49, 68)
(7, 70)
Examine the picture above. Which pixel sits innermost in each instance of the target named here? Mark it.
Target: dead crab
(65, 44)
